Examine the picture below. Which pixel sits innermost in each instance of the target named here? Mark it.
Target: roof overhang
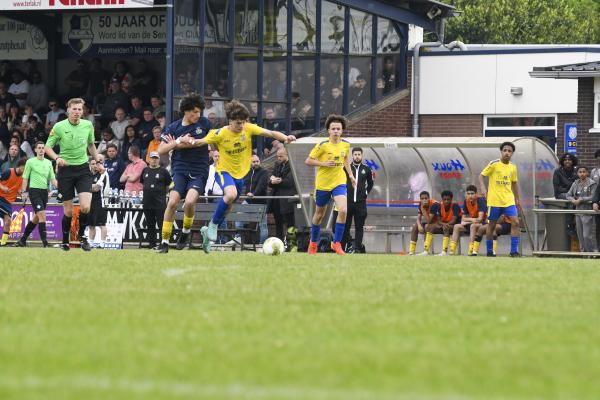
(435, 142)
(564, 74)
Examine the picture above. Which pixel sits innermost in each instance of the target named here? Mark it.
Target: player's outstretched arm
(283, 138)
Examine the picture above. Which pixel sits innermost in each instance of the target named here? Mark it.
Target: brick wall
(451, 125)
(587, 143)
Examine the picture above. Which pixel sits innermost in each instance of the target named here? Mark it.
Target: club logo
(81, 36)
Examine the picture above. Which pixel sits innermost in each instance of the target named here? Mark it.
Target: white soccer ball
(273, 246)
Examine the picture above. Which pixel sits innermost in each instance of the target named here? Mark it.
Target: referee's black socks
(83, 222)
(28, 229)
(66, 229)
(42, 230)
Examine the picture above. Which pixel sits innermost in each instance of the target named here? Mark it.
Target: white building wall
(480, 84)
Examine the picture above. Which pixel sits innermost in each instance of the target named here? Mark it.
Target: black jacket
(257, 182)
(364, 183)
(562, 181)
(287, 187)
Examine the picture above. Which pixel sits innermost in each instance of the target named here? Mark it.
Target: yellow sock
(495, 246)
(476, 247)
(413, 247)
(445, 241)
(4, 239)
(471, 245)
(187, 223)
(428, 240)
(453, 246)
(167, 230)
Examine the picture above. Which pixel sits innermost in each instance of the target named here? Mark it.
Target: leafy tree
(526, 21)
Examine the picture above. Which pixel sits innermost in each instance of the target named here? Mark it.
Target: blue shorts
(183, 182)
(224, 179)
(494, 213)
(322, 197)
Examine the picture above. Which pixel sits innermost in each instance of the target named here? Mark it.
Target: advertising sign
(571, 138)
(76, 5)
(20, 41)
(123, 34)
(54, 216)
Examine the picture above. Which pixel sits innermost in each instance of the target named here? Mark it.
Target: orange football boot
(337, 247)
(312, 248)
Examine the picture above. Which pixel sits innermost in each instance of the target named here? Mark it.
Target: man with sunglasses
(53, 114)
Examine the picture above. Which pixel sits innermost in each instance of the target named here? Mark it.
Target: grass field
(135, 325)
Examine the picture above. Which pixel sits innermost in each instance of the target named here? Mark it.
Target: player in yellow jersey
(234, 143)
(502, 197)
(331, 157)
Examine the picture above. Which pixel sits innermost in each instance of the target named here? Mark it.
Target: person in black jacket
(156, 180)
(257, 182)
(562, 180)
(282, 182)
(357, 202)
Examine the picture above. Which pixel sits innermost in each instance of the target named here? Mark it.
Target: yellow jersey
(235, 149)
(330, 177)
(501, 176)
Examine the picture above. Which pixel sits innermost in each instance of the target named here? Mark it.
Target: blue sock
(514, 244)
(315, 230)
(339, 231)
(490, 246)
(220, 212)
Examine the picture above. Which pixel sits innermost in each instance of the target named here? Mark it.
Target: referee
(75, 136)
(38, 172)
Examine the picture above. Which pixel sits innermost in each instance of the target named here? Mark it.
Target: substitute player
(473, 216)
(75, 136)
(10, 186)
(38, 174)
(234, 143)
(189, 167)
(423, 218)
(445, 215)
(331, 157)
(502, 228)
(502, 197)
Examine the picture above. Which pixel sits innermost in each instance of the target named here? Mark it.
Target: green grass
(135, 325)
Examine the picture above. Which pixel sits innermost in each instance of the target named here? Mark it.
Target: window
(216, 72)
(304, 31)
(274, 77)
(244, 76)
(303, 92)
(275, 24)
(187, 23)
(359, 83)
(540, 126)
(246, 22)
(332, 28)
(361, 32)
(216, 29)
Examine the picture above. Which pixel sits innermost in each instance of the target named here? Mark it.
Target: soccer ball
(273, 246)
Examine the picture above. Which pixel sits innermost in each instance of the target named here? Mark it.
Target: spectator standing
(257, 183)
(157, 105)
(98, 213)
(114, 166)
(77, 81)
(154, 143)
(144, 128)
(136, 110)
(595, 173)
(564, 175)
(19, 87)
(357, 200)
(282, 184)
(38, 93)
(156, 181)
(580, 195)
(120, 124)
(133, 172)
(115, 99)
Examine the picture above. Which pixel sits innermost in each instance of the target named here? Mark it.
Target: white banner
(74, 5)
(20, 41)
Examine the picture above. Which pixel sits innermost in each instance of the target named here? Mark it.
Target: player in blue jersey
(189, 167)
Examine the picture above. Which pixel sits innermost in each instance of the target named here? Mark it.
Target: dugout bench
(391, 221)
(242, 221)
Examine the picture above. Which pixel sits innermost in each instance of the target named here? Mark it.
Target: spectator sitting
(136, 111)
(17, 141)
(19, 87)
(162, 120)
(26, 117)
(115, 99)
(34, 131)
(157, 105)
(154, 143)
(300, 110)
(108, 137)
(359, 93)
(130, 140)
(87, 114)
(214, 120)
(388, 76)
(52, 116)
(144, 129)
(77, 81)
(119, 124)
(565, 175)
(38, 93)
(11, 159)
(335, 103)
(114, 165)
(6, 98)
(133, 172)
(144, 81)
(14, 117)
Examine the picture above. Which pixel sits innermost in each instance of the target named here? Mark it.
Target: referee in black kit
(156, 180)
(357, 201)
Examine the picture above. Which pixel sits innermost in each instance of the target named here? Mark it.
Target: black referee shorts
(98, 215)
(38, 198)
(73, 177)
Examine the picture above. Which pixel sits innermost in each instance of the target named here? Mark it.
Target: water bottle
(121, 198)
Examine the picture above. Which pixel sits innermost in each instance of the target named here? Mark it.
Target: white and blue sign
(571, 138)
